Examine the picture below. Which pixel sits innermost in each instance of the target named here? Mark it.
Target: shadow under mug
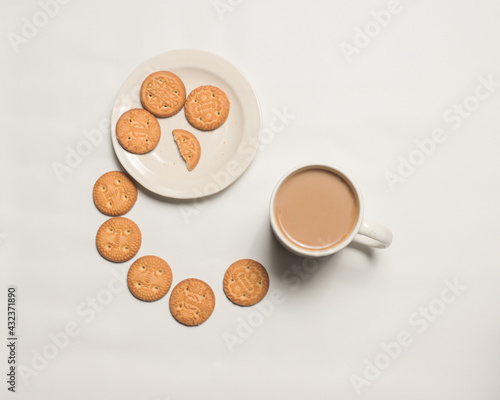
(365, 231)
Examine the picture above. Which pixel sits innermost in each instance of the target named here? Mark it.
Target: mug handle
(374, 235)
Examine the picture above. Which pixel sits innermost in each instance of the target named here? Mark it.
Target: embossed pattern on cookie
(138, 131)
(114, 193)
(149, 278)
(118, 239)
(163, 94)
(207, 108)
(189, 147)
(246, 282)
(192, 302)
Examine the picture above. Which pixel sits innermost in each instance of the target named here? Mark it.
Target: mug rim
(310, 252)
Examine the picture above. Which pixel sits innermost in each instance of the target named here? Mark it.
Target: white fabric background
(362, 116)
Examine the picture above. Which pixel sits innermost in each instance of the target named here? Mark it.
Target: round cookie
(189, 147)
(163, 94)
(192, 302)
(246, 282)
(207, 108)
(138, 131)
(114, 193)
(149, 278)
(118, 239)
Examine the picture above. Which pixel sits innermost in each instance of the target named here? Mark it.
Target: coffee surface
(316, 209)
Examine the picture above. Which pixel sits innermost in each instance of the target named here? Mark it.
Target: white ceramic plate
(226, 151)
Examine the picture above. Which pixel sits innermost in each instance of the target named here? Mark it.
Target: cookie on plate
(138, 131)
(192, 302)
(207, 108)
(118, 239)
(149, 278)
(163, 94)
(114, 193)
(246, 282)
(189, 147)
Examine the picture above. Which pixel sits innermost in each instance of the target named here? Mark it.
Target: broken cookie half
(189, 147)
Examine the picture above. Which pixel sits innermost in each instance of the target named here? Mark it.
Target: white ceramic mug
(367, 232)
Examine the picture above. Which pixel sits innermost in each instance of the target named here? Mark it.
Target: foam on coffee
(316, 208)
